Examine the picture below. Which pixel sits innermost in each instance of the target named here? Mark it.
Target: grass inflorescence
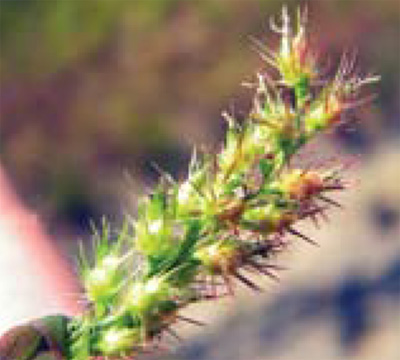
(195, 239)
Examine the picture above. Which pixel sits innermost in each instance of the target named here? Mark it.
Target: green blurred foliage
(40, 36)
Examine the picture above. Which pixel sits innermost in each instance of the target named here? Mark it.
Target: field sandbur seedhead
(197, 238)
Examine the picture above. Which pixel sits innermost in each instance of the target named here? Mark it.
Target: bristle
(334, 187)
(263, 269)
(190, 320)
(173, 334)
(247, 282)
(330, 201)
(315, 221)
(302, 236)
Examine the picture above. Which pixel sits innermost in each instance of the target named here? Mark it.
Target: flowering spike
(193, 238)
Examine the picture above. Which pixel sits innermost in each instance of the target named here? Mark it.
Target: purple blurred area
(93, 91)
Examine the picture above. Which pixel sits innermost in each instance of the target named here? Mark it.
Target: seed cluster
(195, 239)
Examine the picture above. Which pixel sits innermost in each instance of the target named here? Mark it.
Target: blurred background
(93, 91)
